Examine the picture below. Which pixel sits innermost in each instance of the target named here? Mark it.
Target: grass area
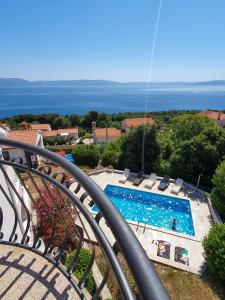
(184, 285)
(84, 259)
(179, 284)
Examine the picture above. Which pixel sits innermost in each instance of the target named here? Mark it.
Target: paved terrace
(26, 275)
(149, 235)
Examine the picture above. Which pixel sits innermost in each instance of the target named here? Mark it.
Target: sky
(112, 39)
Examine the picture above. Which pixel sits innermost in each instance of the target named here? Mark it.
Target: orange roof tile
(55, 133)
(50, 133)
(214, 115)
(102, 133)
(138, 122)
(25, 136)
(40, 126)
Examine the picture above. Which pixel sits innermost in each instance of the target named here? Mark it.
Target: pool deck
(149, 235)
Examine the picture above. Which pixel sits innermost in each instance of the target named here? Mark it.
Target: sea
(109, 98)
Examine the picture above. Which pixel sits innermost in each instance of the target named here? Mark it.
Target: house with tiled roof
(71, 133)
(28, 136)
(105, 135)
(41, 127)
(135, 122)
(216, 116)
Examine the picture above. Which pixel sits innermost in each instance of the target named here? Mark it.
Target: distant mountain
(82, 82)
(12, 81)
(7, 82)
(211, 82)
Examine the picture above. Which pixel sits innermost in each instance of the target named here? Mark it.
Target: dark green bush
(53, 148)
(214, 246)
(86, 155)
(65, 148)
(109, 158)
(218, 192)
(83, 261)
(57, 140)
(110, 153)
(50, 141)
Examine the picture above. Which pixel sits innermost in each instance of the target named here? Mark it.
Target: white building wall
(2, 132)
(124, 126)
(104, 140)
(9, 194)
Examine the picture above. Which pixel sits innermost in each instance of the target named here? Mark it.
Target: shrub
(214, 246)
(86, 155)
(109, 158)
(53, 148)
(52, 208)
(218, 192)
(88, 136)
(82, 263)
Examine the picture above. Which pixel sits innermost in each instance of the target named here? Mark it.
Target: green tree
(187, 126)
(86, 155)
(191, 144)
(93, 116)
(132, 146)
(193, 157)
(218, 192)
(90, 117)
(110, 154)
(73, 120)
(59, 122)
(214, 246)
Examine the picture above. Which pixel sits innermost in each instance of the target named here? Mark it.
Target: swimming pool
(152, 209)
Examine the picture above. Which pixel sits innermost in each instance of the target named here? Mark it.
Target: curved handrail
(148, 282)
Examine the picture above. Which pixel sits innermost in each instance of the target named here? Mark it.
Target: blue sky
(112, 39)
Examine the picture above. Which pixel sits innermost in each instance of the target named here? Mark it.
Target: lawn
(179, 284)
(184, 285)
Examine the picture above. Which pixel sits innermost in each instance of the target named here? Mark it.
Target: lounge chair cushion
(163, 249)
(181, 255)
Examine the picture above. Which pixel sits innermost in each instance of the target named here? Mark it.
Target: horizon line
(109, 80)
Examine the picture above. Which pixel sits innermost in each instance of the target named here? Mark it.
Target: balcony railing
(55, 217)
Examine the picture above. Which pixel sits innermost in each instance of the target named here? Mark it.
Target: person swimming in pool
(174, 224)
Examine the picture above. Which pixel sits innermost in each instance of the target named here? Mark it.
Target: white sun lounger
(150, 182)
(177, 186)
(124, 176)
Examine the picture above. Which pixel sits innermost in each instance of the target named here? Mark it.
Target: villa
(131, 123)
(105, 135)
(217, 117)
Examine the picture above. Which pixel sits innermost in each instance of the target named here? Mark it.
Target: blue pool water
(69, 157)
(152, 209)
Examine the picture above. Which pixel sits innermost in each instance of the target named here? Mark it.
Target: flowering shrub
(56, 217)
